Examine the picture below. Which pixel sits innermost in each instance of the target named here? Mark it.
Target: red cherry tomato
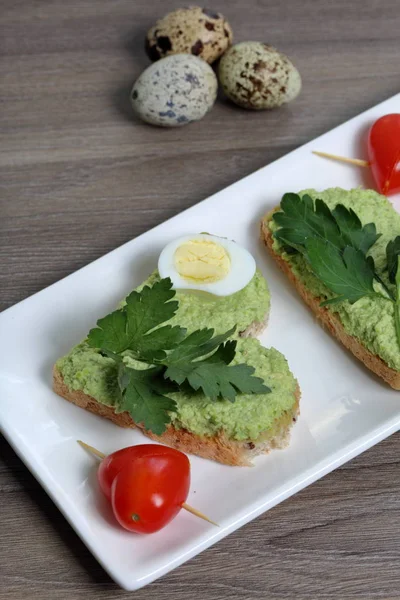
(112, 464)
(148, 492)
(384, 153)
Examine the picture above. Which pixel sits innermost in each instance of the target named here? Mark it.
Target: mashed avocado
(84, 368)
(198, 310)
(370, 320)
(246, 419)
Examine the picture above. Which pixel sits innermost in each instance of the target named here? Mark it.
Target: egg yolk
(202, 261)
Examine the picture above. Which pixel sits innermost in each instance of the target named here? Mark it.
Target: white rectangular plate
(344, 408)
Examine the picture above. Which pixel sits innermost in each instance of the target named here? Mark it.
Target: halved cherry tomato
(147, 485)
(384, 153)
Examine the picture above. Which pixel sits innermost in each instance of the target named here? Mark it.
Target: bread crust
(328, 319)
(255, 328)
(217, 447)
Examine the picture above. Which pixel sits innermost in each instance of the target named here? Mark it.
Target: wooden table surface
(80, 176)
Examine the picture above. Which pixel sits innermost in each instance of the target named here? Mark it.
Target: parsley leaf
(130, 328)
(224, 354)
(339, 229)
(144, 398)
(397, 303)
(212, 374)
(216, 377)
(349, 275)
(197, 344)
(352, 232)
(153, 345)
(392, 254)
(218, 380)
(393, 266)
(150, 308)
(300, 220)
(110, 333)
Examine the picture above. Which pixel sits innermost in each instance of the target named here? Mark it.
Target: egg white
(241, 272)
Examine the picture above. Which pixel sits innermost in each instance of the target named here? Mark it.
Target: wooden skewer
(353, 161)
(186, 506)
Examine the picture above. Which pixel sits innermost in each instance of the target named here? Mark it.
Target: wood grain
(80, 176)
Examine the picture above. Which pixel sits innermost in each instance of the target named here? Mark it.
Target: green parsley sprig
(171, 359)
(336, 246)
(393, 265)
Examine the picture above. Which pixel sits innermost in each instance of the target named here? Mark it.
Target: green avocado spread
(250, 417)
(370, 319)
(199, 310)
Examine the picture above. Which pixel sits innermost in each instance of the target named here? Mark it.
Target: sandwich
(179, 359)
(340, 249)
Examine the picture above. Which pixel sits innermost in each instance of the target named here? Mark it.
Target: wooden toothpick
(187, 507)
(197, 513)
(91, 449)
(353, 161)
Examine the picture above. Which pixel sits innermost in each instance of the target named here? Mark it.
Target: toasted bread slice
(218, 447)
(329, 319)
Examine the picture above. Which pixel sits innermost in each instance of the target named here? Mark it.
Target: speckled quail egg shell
(193, 30)
(257, 76)
(174, 91)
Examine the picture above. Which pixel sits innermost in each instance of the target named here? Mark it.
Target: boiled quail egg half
(206, 263)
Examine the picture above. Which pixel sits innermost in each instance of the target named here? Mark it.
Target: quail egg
(174, 91)
(207, 263)
(193, 30)
(258, 76)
